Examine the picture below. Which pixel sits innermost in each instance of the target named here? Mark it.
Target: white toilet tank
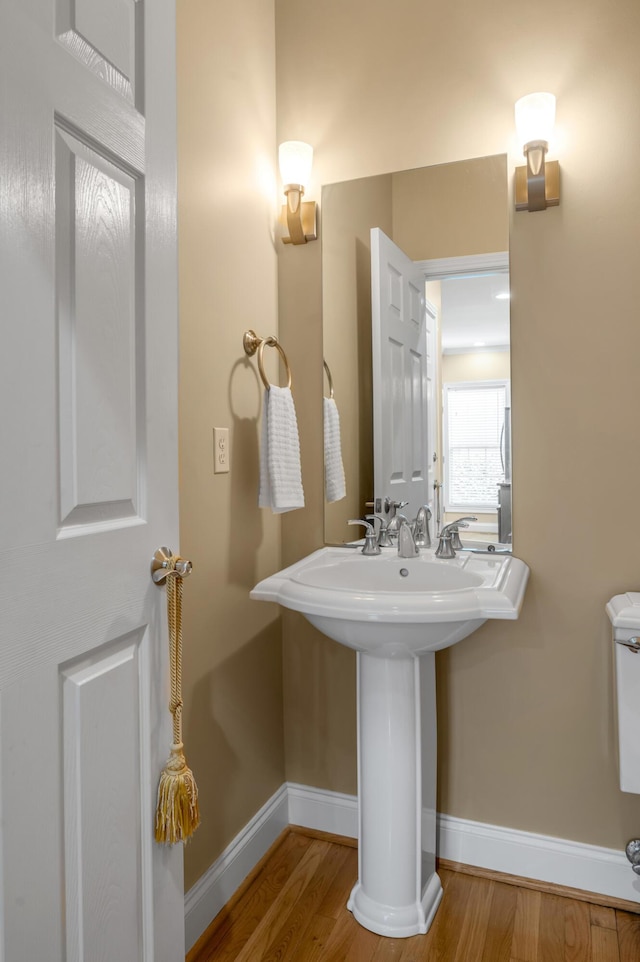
(624, 613)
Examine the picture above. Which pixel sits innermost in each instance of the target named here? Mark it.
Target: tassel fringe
(177, 812)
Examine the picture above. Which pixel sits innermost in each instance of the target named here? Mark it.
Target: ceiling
(472, 317)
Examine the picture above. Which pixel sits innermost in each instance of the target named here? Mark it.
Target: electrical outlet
(220, 450)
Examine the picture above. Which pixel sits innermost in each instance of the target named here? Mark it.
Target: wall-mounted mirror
(452, 223)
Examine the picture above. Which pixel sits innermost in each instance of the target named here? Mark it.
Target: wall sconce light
(295, 158)
(537, 184)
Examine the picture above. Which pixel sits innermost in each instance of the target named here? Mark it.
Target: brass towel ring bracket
(252, 344)
(329, 378)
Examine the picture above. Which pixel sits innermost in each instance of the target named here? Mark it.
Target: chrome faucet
(407, 547)
(383, 535)
(450, 539)
(421, 534)
(371, 546)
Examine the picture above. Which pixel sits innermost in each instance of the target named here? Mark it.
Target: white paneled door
(88, 478)
(403, 377)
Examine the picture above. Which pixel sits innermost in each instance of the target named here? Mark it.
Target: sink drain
(404, 572)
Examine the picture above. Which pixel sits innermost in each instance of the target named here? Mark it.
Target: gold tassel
(177, 812)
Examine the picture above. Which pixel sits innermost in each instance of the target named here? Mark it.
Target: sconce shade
(535, 118)
(295, 159)
(537, 184)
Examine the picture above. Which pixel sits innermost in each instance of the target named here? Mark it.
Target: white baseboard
(603, 871)
(214, 889)
(322, 810)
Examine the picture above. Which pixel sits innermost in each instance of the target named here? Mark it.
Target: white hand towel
(280, 477)
(334, 483)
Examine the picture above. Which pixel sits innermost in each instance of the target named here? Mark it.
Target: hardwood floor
(292, 908)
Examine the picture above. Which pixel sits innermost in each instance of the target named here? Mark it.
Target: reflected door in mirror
(402, 452)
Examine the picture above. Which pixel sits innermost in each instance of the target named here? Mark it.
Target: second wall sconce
(295, 159)
(537, 184)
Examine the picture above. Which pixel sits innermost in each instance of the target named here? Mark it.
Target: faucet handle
(461, 522)
(450, 539)
(393, 506)
(447, 529)
(365, 524)
(371, 546)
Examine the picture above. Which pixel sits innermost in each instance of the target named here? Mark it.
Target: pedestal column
(396, 837)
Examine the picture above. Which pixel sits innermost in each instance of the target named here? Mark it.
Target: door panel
(100, 325)
(109, 29)
(99, 694)
(105, 38)
(432, 403)
(417, 414)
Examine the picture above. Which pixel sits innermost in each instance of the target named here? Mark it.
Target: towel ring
(253, 343)
(329, 378)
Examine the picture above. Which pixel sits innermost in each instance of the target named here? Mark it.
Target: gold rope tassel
(177, 813)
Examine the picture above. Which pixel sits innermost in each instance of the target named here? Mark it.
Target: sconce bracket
(309, 221)
(552, 186)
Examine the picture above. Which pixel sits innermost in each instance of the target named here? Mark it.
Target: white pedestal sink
(397, 613)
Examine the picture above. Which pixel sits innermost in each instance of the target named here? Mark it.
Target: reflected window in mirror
(475, 450)
(476, 402)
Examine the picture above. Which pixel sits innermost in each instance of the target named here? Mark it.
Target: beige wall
(526, 735)
(476, 366)
(452, 209)
(233, 665)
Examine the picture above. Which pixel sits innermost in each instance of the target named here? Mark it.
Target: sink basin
(397, 613)
(386, 574)
(386, 602)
